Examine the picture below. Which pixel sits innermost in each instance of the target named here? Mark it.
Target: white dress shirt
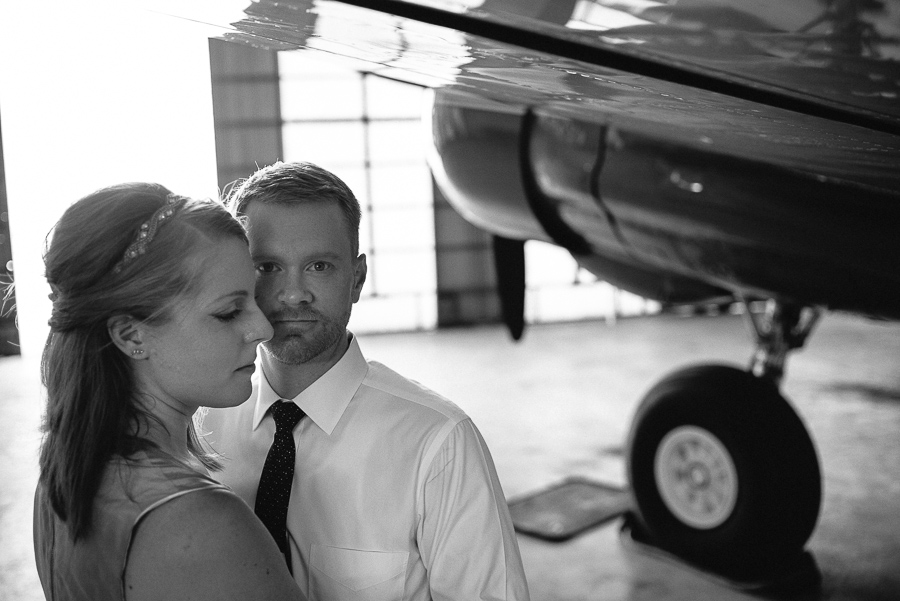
(395, 495)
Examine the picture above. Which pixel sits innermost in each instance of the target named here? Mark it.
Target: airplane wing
(687, 151)
(682, 152)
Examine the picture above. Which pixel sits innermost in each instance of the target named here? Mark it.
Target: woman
(153, 317)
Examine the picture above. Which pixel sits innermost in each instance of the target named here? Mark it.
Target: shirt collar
(325, 400)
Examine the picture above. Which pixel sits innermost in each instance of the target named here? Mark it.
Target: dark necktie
(274, 490)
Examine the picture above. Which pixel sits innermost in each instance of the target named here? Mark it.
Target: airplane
(689, 151)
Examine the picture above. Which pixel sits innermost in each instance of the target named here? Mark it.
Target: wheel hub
(699, 476)
(696, 477)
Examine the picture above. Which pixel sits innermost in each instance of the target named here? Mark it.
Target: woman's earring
(137, 352)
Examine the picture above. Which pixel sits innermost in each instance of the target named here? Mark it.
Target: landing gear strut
(779, 329)
(722, 469)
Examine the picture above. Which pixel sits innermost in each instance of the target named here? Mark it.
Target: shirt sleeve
(465, 535)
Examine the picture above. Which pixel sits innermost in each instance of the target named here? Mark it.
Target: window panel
(394, 313)
(559, 290)
(396, 141)
(396, 272)
(334, 146)
(344, 100)
(391, 99)
(410, 229)
(292, 64)
(354, 175)
(566, 303)
(402, 185)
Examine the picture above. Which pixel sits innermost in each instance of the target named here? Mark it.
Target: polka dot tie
(274, 490)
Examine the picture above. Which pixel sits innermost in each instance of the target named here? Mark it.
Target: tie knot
(286, 415)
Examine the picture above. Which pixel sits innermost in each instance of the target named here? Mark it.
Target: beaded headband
(148, 231)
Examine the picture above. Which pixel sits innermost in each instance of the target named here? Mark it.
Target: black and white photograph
(450, 300)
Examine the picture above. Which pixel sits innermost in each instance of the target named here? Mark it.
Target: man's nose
(295, 292)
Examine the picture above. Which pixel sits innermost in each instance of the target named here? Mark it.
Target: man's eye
(266, 267)
(319, 266)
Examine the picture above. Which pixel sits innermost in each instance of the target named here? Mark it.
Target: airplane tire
(723, 472)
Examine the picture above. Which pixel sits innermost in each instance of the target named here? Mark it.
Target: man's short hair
(293, 183)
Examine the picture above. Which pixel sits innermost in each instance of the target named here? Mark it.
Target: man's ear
(359, 276)
(127, 335)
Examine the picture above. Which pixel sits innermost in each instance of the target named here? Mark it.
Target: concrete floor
(558, 404)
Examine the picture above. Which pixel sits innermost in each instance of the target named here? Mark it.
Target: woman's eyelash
(228, 316)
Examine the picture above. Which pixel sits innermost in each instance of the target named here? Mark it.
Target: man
(394, 494)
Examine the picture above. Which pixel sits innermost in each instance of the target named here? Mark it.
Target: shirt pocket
(355, 575)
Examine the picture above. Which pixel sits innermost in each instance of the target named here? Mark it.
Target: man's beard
(296, 349)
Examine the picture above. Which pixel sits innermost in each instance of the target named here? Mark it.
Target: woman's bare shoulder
(202, 545)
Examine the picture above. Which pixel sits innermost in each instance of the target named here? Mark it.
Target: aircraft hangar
(554, 407)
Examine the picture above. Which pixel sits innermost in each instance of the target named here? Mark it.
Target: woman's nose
(260, 328)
